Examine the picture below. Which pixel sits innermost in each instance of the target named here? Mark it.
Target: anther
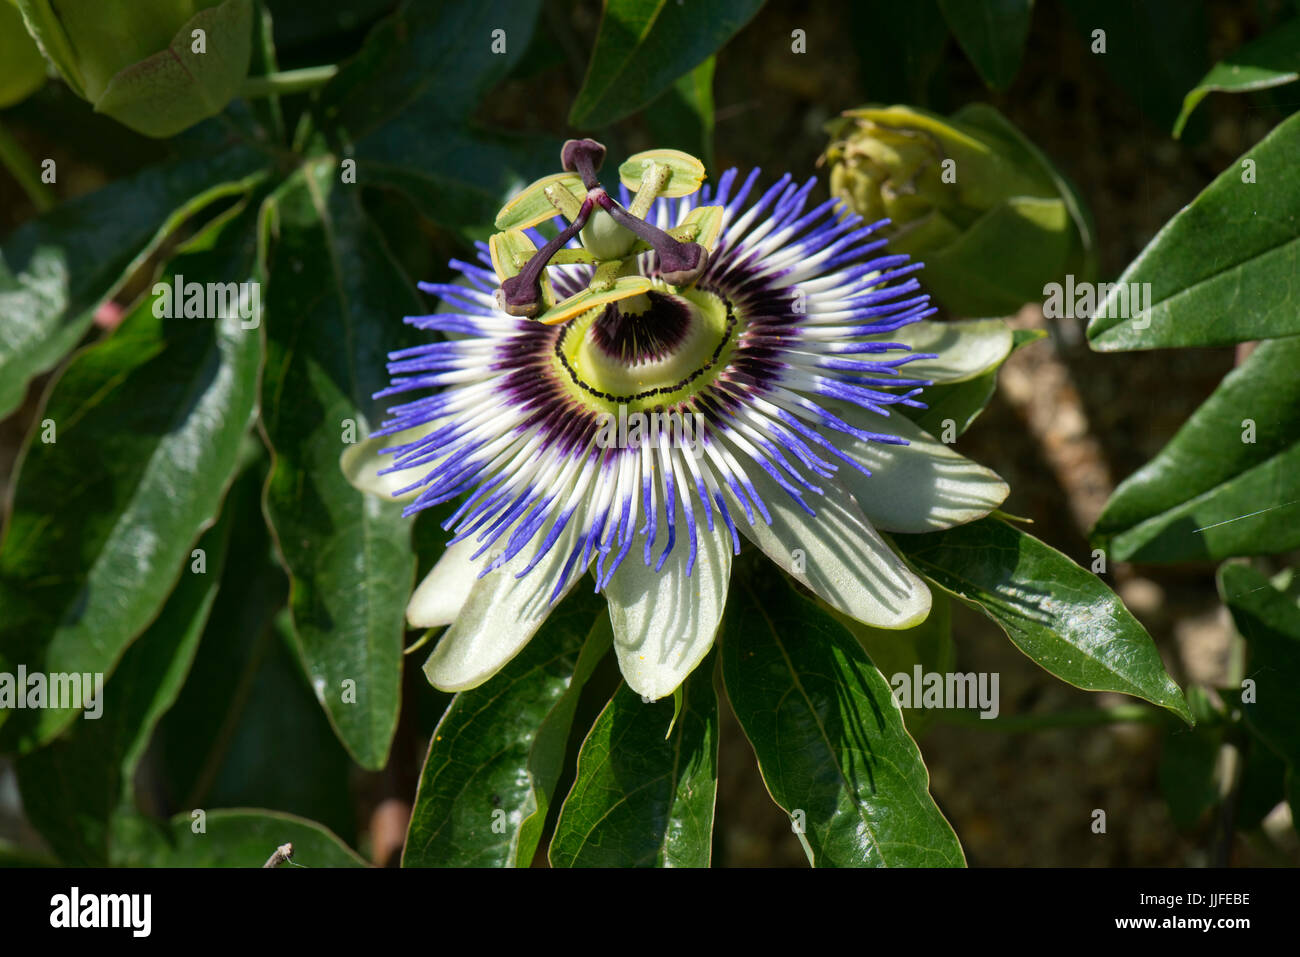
(521, 294)
(584, 158)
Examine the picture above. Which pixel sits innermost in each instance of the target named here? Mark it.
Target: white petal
(361, 464)
(443, 593)
(966, 348)
(837, 554)
(920, 487)
(664, 622)
(502, 613)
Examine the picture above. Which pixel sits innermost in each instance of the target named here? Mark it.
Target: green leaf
(236, 838)
(1263, 783)
(72, 788)
(828, 734)
(334, 303)
(178, 87)
(900, 48)
(24, 71)
(646, 783)
(1026, 155)
(928, 644)
(1270, 623)
(643, 46)
(267, 110)
(430, 61)
(1187, 777)
(1060, 615)
(276, 714)
(457, 177)
(682, 117)
(1272, 60)
(1223, 269)
(1155, 50)
(1036, 237)
(248, 703)
(252, 588)
(402, 104)
(992, 33)
(143, 433)
(496, 755)
(260, 738)
(43, 24)
(960, 403)
(55, 270)
(1228, 483)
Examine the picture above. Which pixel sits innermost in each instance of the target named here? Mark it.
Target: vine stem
(24, 170)
(1081, 718)
(287, 81)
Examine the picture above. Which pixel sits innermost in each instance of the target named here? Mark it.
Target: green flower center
(647, 353)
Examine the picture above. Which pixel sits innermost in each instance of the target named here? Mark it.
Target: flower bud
(157, 66)
(22, 70)
(993, 221)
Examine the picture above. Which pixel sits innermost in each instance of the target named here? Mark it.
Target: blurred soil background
(1065, 426)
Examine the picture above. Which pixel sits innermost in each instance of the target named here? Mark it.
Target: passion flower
(789, 338)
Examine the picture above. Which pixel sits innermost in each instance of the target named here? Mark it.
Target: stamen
(584, 158)
(521, 295)
(680, 264)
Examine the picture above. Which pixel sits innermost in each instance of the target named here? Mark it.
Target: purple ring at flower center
(646, 336)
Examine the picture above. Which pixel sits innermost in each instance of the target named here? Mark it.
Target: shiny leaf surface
(139, 441)
(1224, 269)
(236, 838)
(1228, 483)
(72, 788)
(643, 46)
(1060, 615)
(1270, 623)
(496, 755)
(828, 735)
(1272, 60)
(992, 33)
(334, 303)
(646, 783)
(55, 270)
